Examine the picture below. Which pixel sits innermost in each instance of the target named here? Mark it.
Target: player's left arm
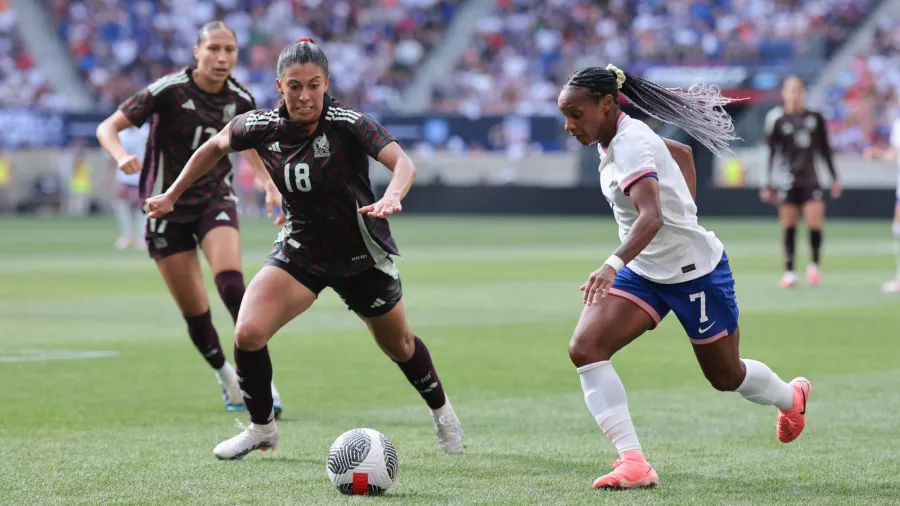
(684, 157)
(824, 144)
(382, 146)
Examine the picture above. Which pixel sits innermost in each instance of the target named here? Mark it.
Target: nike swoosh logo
(803, 393)
(707, 328)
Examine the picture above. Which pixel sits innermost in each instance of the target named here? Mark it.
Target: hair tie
(620, 76)
(305, 39)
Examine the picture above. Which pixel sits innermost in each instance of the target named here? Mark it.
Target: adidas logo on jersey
(321, 149)
(274, 147)
(223, 216)
(189, 105)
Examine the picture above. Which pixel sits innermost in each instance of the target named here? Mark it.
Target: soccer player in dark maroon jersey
(317, 152)
(796, 138)
(184, 109)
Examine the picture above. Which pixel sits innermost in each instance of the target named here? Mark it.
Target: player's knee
(250, 335)
(726, 380)
(230, 285)
(399, 349)
(584, 351)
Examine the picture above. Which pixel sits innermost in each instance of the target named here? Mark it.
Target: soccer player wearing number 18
(317, 152)
(184, 109)
(667, 261)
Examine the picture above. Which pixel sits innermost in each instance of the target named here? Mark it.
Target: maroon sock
(815, 241)
(206, 339)
(789, 238)
(254, 369)
(419, 370)
(231, 289)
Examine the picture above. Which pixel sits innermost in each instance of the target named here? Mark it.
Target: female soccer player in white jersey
(666, 262)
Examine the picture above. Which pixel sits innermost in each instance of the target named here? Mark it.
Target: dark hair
(305, 50)
(212, 26)
(698, 111)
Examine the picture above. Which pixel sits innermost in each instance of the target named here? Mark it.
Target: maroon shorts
(800, 195)
(165, 238)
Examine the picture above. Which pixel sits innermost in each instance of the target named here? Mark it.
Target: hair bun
(306, 39)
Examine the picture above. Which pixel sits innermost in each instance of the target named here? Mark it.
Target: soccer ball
(362, 462)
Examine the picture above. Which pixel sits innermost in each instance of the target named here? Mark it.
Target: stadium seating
(373, 45)
(522, 52)
(20, 82)
(862, 103)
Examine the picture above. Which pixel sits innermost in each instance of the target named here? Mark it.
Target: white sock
(122, 210)
(226, 374)
(605, 397)
(763, 386)
(897, 245)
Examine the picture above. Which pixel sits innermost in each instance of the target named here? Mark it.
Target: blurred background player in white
(127, 206)
(796, 138)
(666, 262)
(891, 154)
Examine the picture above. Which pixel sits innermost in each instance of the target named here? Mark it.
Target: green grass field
(496, 300)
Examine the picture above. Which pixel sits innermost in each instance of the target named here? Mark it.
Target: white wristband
(615, 262)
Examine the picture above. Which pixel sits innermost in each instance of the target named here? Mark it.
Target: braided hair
(698, 111)
(305, 50)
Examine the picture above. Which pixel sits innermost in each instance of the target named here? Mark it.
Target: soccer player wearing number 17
(666, 262)
(184, 108)
(317, 152)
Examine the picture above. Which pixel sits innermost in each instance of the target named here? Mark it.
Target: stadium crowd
(862, 103)
(374, 46)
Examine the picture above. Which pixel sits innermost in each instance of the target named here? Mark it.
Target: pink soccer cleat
(791, 421)
(788, 280)
(632, 471)
(812, 275)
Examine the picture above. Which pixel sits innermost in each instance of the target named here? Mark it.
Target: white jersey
(682, 250)
(895, 143)
(134, 140)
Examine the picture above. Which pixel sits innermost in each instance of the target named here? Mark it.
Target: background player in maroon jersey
(184, 109)
(796, 138)
(317, 152)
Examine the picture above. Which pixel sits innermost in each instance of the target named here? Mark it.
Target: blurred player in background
(317, 151)
(185, 108)
(127, 206)
(667, 261)
(795, 138)
(891, 154)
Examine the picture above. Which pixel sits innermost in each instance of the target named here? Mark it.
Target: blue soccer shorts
(706, 306)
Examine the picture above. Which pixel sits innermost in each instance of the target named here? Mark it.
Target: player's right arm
(133, 112)
(108, 135)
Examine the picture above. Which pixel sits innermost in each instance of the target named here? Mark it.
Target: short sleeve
(250, 130)
(139, 107)
(369, 132)
(634, 161)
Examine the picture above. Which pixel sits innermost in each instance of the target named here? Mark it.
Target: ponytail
(698, 111)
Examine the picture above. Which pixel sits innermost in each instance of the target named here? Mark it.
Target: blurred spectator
(525, 50)
(21, 83)
(373, 46)
(863, 102)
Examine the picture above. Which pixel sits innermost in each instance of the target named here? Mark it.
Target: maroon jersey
(183, 117)
(324, 179)
(797, 139)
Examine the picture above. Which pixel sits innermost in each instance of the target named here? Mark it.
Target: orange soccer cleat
(632, 471)
(791, 421)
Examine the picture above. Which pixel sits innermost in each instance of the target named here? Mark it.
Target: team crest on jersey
(229, 112)
(321, 149)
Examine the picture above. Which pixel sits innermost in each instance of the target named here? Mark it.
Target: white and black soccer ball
(362, 462)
